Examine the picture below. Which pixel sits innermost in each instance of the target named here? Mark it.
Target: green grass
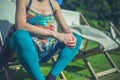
(76, 70)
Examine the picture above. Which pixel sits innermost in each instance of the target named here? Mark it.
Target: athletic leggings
(22, 43)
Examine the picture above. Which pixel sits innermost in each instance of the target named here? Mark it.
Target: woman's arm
(59, 18)
(71, 40)
(20, 21)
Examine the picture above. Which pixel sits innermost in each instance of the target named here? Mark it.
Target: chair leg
(6, 74)
(102, 73)
(111, 61)
(62, 76)
(88, 65)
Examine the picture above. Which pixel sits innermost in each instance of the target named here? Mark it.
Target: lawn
(76, 70)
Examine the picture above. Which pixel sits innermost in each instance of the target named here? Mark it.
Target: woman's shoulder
(22, 2)
(54, 2)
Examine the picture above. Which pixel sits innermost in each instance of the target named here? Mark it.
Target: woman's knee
(79, 40)
(21, 37)
(20, 34)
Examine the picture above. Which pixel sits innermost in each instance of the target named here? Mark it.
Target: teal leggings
(22, 43)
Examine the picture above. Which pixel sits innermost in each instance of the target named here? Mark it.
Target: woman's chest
(39, 19)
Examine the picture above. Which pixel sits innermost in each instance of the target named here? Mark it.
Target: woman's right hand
(67, 38)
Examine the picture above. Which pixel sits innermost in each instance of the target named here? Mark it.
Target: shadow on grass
(15, 75)
(74, 68)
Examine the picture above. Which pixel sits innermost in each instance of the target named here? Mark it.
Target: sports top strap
(30, 2)
(51, 6)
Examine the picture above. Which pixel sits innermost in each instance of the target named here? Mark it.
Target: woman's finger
(71, 45)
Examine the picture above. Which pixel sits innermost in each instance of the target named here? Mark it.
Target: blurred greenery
(97, 12)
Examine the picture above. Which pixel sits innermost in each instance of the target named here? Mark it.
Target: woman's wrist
(57, 35)
(54, 34)
(68, 32)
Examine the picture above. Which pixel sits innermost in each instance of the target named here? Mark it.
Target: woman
(35, 40)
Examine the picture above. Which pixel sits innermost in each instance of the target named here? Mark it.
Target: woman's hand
(67, 38)
(71, 41)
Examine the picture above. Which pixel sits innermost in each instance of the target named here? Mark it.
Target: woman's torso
(36, 18)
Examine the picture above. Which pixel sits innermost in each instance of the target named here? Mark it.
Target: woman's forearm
(37, 31)
(67, 30)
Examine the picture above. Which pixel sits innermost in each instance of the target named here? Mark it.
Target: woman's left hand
(71, 42)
